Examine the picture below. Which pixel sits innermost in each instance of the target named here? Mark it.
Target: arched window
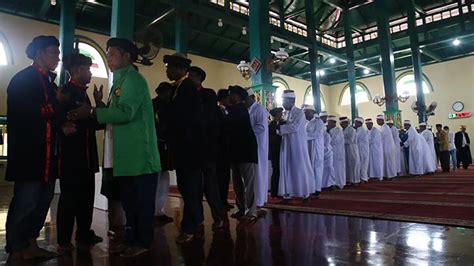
(406, 84)
(281, 86)
(308, 98)
(92, 50)
(362, 95)
(5, 58)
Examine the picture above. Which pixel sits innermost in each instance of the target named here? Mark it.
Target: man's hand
(84, 111)
(98, 94)
(69, 128)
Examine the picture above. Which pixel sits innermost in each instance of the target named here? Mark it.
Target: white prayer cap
(316, 115)
(343, 119)
(381, 117)
(359, 119)
(323, 113)
(289, 94)
(250, 92)
(308, 107)
(390, 121)
(369, 120)
(332, 118)
(407, 122)
(423, 124)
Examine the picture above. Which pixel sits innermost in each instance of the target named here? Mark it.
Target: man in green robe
(130, 146)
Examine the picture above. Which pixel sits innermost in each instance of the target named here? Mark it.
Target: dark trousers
(138, 201)
(275, 180)
(444, 159)
(76, 203)
(243, 177)
(211, 191)
(27, 212)
(190, 188)
(463, 156)
(223, 179)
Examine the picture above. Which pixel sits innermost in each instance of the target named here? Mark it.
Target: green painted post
(67, 26)
(123, 18)
(388, 67)
(350, 63)
(416, 57)
(259, 31)
(313, 54)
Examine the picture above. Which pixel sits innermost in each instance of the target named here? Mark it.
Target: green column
(123, 18)
(313, 54)
(181, 26)
(67, 26)
(260, 49)
(388, 67)
(351, 75)
(415, 51)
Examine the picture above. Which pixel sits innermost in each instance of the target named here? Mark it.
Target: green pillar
(67, 25)
(313, 54)
(416, 57)
(260, 49)
(388, 67)
(351, 75)
(123, 18)
(181, 26)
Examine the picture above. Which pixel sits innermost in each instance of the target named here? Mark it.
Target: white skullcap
(308, 107)
(250, 92)
(316, 115)
(408, 122)
(343, 119)
(332, 118)
(289, 94)
(368, 120)
(390, 121)
(359, 119)
(423, 124)
(323, 113)
(381, 117)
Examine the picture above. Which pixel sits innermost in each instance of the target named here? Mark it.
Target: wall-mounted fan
(149, 42)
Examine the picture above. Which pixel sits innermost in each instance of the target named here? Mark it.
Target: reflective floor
(279, 238)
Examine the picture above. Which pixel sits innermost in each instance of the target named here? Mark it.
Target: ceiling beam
(432, 54)
(334, 3)
(44, 8)
(358, 3)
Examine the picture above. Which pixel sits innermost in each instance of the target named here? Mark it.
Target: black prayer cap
(275, 111)
(198, 71)
(239, 91)
(222, 94)
(125, 45)
(75, 60)
(178, 60)
(40, 43)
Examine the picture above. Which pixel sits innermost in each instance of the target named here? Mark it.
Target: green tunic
(135, 149)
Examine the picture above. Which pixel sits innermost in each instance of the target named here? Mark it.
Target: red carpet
(444, 198)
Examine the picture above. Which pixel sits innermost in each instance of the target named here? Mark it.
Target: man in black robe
(223, 164)
(274, 149)
(463, 147)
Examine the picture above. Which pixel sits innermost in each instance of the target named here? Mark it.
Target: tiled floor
(280, 238)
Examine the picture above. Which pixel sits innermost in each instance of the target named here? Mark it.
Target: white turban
(289, 94)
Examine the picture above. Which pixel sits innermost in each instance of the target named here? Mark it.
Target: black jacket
(458, 139)
(274, 142)
(78, 152)
(33, 121)
(211, 123)
(186, 128)
(240, 136)
(162, 120)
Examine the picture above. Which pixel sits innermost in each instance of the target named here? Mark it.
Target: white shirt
(451, 141)
(464, 141)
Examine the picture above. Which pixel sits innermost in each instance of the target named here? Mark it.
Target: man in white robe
(329, 179)
(351, 151)
(430, 156)
(396, 141)
(339, 154)
(259, 120)
(296, 174)
(375, 151)
(315, 133)
(415, 144)
(390, 168)
(362, 140)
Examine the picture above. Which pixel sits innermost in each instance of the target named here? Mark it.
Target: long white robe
(430, 156)
(352, 155)
(376, 154)
(339, 156)
(315, 132)
(390, 168)
(396, 141)
(296, 174)
(362, 140)
(415, 143)
(329, 179)
(259, 120)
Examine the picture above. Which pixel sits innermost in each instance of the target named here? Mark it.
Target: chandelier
(380, 100)
(245, 69)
